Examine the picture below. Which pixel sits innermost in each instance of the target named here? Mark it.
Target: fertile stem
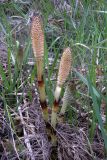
(64, 69)
(37, 37)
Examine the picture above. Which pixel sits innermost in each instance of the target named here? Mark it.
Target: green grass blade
(4, 78)
(96, 108)
(82, 78)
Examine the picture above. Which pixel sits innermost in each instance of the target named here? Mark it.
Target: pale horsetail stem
(64, 69)
(37, 36)
(67, 99)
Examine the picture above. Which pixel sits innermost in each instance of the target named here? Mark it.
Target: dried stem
(27, 141)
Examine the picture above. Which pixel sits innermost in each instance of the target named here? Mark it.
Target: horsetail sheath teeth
(64, 69)
(37, 36)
